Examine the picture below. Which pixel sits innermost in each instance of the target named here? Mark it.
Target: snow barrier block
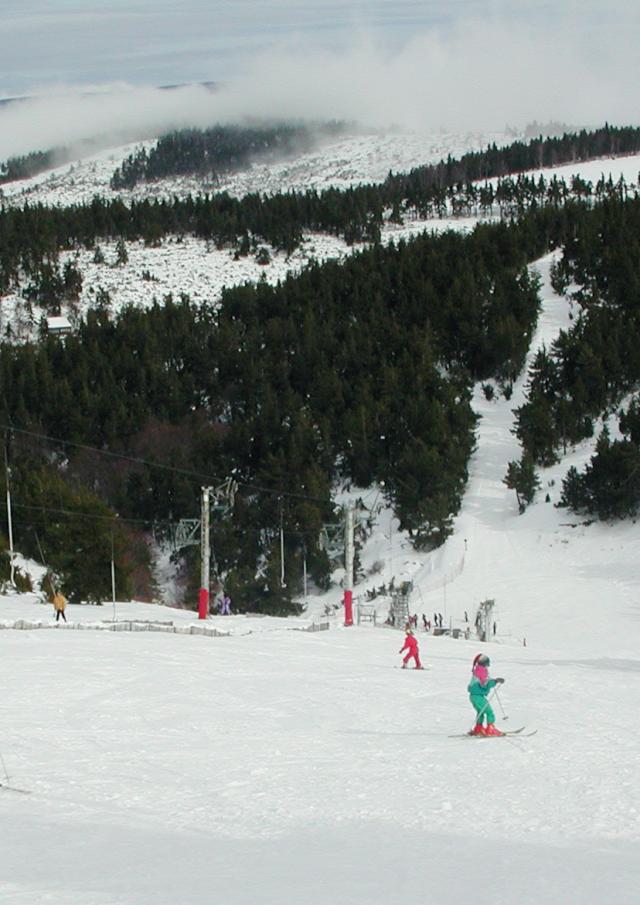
(314, 627)
(123, 626)
(24, 624)
(21, 624)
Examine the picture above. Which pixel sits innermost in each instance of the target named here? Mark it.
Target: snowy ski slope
(275, 766)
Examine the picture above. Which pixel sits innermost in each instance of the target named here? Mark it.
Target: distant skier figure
(225, 606)
(59, 604)
(411, 646)
(479, 688)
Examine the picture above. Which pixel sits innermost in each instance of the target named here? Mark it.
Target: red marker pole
(203, 596)
(348, 566)
(203, 603)
(348, 607)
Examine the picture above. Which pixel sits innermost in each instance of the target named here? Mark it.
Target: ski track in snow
(275, 766)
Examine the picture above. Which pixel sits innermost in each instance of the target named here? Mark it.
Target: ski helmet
(481, 660)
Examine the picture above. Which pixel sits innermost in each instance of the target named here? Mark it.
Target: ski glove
(499, 681)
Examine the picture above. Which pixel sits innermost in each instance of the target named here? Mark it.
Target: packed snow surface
(269, 765)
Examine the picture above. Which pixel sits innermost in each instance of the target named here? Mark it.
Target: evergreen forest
(358, 372)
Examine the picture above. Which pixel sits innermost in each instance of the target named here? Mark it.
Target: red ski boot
(491, 730)
(478, 729)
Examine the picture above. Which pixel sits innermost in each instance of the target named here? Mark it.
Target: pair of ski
(505, 734)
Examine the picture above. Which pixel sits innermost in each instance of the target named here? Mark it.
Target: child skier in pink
(479, 688)
(411, 646)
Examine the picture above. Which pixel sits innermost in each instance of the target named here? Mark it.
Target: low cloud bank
(479, 75)
(114, 114)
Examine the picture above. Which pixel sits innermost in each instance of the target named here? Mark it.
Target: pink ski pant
(415, 656)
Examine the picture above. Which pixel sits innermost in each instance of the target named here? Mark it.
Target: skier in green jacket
(479, 688)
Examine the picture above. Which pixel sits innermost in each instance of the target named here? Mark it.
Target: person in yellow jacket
(59, 604)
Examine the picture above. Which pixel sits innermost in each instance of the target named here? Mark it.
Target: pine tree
(122, 256)
(522, 478)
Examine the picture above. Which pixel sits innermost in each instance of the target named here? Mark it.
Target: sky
(426, 65)
(162, 42)
(271, 765)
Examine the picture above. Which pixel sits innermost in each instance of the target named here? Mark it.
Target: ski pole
(4, 767)
(504, 715)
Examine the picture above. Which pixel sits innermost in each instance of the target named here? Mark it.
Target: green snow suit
(478, 697)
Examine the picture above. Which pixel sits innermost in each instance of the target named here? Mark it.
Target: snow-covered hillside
(197, 267)
(275, 765)
(272, 765)
(365, 157)
(201, 270)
